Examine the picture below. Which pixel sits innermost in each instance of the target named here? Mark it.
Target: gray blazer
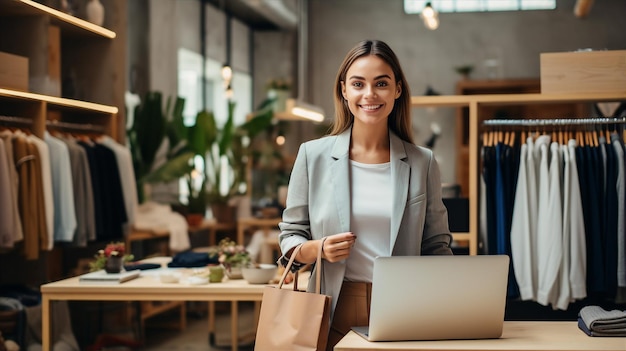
(318, 202)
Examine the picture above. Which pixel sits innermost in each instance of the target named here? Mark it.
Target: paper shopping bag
(291, 319)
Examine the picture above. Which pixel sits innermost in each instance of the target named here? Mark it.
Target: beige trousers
(353, 309)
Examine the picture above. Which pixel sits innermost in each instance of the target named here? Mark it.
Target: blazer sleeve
(295, 227)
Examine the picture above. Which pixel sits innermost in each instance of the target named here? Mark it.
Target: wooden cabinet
(476, 105)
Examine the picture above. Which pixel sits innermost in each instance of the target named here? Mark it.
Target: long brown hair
(400, 117)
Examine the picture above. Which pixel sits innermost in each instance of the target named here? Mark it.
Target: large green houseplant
(222, 153)
(151, 125)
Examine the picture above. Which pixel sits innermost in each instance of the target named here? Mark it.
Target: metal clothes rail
(553, 122)
(88, 127)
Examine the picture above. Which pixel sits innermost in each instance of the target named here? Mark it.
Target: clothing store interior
(161, 135)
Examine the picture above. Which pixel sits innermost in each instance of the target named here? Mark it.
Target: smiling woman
(366, 190)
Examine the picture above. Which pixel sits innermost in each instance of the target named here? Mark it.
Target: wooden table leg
(257, 313)
(45, 323)
(234, 331)
(212, 318)
(212, 236)
(240, 233)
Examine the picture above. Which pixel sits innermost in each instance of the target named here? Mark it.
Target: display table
(516, 336)
(146, 288)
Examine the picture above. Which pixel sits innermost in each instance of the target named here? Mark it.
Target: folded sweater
(596, 321)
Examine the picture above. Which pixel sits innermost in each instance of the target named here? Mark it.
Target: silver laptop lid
(438, 297)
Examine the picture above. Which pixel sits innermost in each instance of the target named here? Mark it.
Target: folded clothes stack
(596, 321)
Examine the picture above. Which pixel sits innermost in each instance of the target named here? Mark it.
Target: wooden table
(516, 336)
(148, 289)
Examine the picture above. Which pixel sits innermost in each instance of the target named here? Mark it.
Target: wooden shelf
(509, 99)
(69, 24)
(58, 102)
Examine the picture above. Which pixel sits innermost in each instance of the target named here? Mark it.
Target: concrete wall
(429, 57)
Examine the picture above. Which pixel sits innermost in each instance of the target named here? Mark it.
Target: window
(416, 6)
(190, 88)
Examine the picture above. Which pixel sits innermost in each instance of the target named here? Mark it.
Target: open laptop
(437, 298)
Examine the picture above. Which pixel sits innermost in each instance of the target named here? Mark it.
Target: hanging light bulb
(227, 73)
(430, 17)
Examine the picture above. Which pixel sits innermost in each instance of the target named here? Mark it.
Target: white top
(370, 218)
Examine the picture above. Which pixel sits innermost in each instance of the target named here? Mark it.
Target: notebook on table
(437, 298)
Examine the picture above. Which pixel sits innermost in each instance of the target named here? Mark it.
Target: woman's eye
(381, 84)
(357, 84)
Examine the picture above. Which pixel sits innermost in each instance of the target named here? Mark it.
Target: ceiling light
(430, 17)
(304, 110)
(227, 73)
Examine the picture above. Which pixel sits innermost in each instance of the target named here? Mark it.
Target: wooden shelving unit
(63, 51)
(76, 69)
(475, 104)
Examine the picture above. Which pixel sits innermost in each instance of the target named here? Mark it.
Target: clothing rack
(13, 119)
(553, 122)
(55, 124)
(75, 126)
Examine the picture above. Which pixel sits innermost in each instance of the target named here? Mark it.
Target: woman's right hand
(337, 247)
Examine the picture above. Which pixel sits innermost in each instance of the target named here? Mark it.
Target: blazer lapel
(341, 180)
(400, 173)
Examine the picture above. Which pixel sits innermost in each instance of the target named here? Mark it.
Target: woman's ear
(343, 90)
(398, 90)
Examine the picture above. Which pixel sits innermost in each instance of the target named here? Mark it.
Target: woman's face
(370, 90)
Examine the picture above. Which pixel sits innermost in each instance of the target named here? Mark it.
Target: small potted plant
(233, 257)
(111, 258)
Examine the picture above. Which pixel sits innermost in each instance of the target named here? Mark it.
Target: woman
(366, 188)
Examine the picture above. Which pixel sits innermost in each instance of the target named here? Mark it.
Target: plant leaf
(172, 169)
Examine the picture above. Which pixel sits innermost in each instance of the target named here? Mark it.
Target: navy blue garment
(192, 259)
(509, 169)
(596, 282)
(501, 233)
(141, 266)
(610, 220)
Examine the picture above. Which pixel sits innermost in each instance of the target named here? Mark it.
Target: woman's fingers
(337, 247)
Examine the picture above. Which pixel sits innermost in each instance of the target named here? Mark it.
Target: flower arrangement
(230, 254)
(113, 249)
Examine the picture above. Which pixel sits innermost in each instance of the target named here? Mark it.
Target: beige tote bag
(291, 319)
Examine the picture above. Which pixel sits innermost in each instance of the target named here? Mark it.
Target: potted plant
(232, 256)
(111, 258)
(213, 160)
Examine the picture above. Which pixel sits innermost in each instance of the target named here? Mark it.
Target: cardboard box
(584, 72)
(13, 71)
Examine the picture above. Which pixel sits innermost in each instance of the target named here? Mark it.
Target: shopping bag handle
(318, 268)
